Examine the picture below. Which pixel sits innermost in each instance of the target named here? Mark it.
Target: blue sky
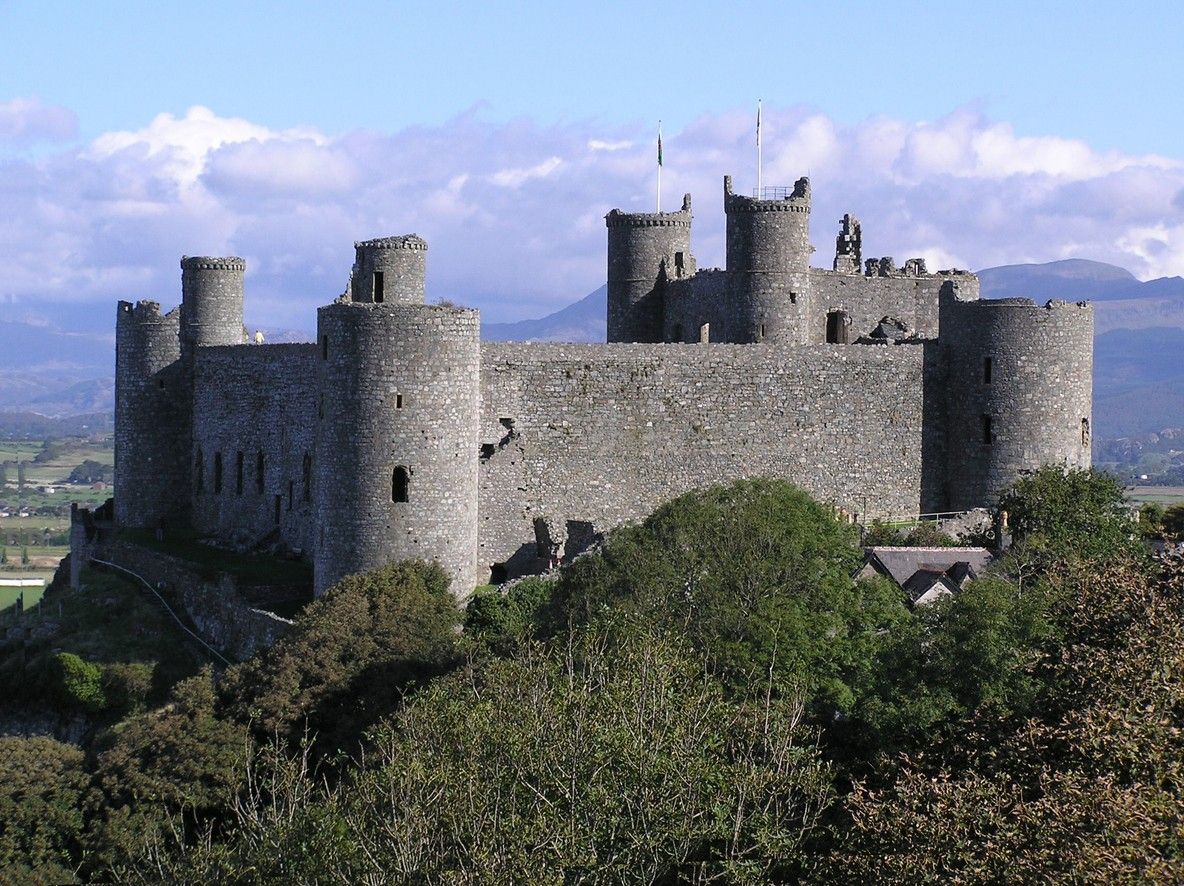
(971, 133)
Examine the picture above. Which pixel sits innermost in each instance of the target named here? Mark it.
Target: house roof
(913, 567)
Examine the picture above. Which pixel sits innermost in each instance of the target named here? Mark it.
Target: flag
(659, 147)
(758, 122)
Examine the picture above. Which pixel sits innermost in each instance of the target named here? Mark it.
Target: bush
(42, 783)
(502, 618)
(127, 686)
(350, 655)
(78, 684)
(756, 575)
(1173, 521)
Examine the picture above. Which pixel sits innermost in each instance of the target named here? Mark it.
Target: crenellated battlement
(213, 263)
(795, 200)
(404, 241)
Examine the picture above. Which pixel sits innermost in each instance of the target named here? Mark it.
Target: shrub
(78, 684)
(42, 783)
(350, 655)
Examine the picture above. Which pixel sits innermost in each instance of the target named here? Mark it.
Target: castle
(399, 434)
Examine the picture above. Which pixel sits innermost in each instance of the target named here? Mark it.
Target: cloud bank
(513, 212)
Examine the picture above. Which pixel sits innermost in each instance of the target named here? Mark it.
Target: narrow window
(836, 328)
(217, 472)
(678, 264)
(486, 452)
(705, 333)
(399, 482)
(279, 501)
(988, 430)
(291, 493)
(160, 383)
(259, 472)
(379, 294)
(987, 370)
(1085, 432)
(762, 334)
(238, 474)
(324, 347)
(199, 469)
(306, 478)
(793, 298)
(398, 401)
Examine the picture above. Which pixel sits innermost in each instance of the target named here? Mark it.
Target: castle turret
(768, 265)
(211, 302)
(645, 250)
(397, 456)
(389, 269)
(151, 464)
(1019, 380)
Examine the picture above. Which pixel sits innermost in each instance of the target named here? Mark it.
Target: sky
(971, 134)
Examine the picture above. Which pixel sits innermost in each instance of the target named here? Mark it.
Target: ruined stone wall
(596, 434)
(1029, 406)
(255, 399)
(691, 304)
(866, 300)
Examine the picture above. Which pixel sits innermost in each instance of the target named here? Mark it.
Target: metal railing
(773, 192)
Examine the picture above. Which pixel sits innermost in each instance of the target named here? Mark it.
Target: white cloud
(510, 232)
(513, 178)
(25, 120)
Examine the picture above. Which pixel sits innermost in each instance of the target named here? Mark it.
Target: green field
(8, 596)
(1162, 495)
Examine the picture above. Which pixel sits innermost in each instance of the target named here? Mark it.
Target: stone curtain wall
(249, 398)
(595, 434)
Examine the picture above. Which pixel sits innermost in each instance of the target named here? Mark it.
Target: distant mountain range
(1138, 372)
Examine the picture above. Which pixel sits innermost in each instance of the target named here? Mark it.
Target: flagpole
(659, 166)
(759, 191)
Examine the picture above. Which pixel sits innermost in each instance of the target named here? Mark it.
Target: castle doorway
(837, 324)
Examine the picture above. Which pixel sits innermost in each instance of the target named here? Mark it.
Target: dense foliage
(709, 696)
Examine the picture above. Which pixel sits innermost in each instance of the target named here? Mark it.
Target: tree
(78, 683)
(757, 576)
(1069, 511)
(349, 656)
(592, 760)
(42, 783)
(1173, 521)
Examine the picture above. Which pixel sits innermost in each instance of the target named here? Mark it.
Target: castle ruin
(399, 434)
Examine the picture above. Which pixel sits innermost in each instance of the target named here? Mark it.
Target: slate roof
(901, 563)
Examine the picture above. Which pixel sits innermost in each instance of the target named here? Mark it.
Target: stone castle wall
(255, 404)
(596, 434)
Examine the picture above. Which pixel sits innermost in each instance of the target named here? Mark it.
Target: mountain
(1074, 279)
(1138, 381)
(582, 321)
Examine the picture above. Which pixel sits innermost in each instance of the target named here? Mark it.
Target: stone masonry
(398, 434)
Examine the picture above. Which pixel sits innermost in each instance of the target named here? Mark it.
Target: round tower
(211, 302)
(151, 457)
(1019, 384)
(396, 442)
(389, 269)
(768, 263)
(645, 250)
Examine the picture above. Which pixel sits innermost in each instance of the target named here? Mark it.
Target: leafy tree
(1087, 786)
(1067, 511)
(350, 655)
(757, 576)
(180, 760)
(42, 783)
(91, 471)
(594, 760)
(1173, 521)
(880, 534)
